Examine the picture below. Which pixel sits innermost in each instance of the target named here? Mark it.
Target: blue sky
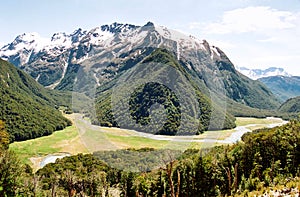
(253, 33)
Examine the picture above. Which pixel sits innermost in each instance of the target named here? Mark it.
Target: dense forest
(264, 159)
(29, 110)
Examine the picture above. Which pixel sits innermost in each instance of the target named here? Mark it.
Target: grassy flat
(243, 121)
(66, 140)
(83, 137)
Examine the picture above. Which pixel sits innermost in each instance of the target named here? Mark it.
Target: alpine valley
(90, 61)
(133, 78)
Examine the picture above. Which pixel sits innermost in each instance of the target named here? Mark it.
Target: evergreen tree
(4, 137)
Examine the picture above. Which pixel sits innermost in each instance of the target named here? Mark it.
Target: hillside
(246, 91)
(27, 108)
(292, 105)
(284, 87)
(143, 97)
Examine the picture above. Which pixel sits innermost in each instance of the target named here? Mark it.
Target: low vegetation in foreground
(264, 160)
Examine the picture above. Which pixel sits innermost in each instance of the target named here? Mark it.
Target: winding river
(234, 137)
(52, 158)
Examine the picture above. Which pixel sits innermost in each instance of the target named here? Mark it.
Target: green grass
(83, 138)
(60, 141)
(113, 138)
(241, 121)
(103, 140)
(137, 141)
(289, 184)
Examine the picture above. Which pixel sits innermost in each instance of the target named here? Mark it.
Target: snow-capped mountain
(87, 58)
(28, 45)
(47, 59)
(260, 73)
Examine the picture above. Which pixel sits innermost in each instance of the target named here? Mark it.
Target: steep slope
(27, 108)
(85, 60)
(251, 93)
(243, 89)
(284, 87)
(142, 97)
(292, 105)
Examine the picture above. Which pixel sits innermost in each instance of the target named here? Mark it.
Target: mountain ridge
(99, 55)
(285, 87)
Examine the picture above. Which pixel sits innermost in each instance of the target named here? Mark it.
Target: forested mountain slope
(292, 105)
(27, 108)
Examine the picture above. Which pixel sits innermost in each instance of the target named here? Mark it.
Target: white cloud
(277, 58)
(250, 19)
(195, 25)
(270, 39)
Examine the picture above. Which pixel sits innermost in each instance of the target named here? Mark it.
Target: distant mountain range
(280, 82)
(284, 87)
(92, 61)
(260, 73)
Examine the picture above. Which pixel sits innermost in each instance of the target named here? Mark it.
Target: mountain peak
(108, 50)
(77, 35)
(26, 38)
(26, 42)
(117, 27)
(58, 36)
(149, 24)
(77, 31)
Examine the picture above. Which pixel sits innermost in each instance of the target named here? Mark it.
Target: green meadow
(82, 137)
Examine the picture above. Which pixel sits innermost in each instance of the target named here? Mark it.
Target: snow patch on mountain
(260, 73)
(28, 44)
(26, 47)
(25, 41)
(107, 43)
(97, 36)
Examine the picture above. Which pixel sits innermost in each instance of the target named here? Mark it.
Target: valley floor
(83, 137)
